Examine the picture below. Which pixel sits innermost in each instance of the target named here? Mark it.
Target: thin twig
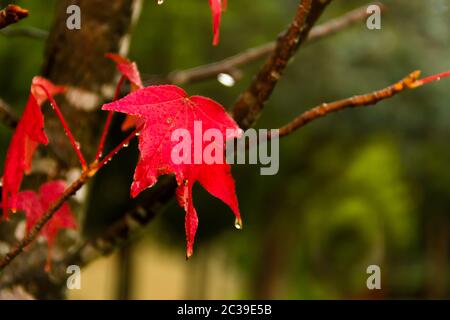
(32, 235)
(108, 122)
(126, 228)
(26, 32)
(122, 145)
(231, 63)
(12, 14)
(409, 82)
(251, 102)
(7, 116)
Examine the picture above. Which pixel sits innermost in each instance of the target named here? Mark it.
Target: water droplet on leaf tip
(238, 224)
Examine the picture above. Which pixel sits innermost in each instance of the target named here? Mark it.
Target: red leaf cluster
(27, 137)
(36, 204)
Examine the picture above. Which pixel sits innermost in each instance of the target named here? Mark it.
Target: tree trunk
(75, 58)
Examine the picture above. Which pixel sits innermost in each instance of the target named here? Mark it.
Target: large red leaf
(35, 205)
(164, 109)
(28, 135)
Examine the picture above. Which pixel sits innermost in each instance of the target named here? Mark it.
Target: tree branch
(231, 63)
(7, 116)
(26, 32)
(12, 14)
(409, 82)
(87, 173)
(121, 232)
(250, 104)
(32, 235)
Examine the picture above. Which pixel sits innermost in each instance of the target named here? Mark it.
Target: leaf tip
(189, 253)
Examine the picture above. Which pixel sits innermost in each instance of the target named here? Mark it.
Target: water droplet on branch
(226, 79)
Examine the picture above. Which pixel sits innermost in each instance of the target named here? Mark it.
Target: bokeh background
(361, 187)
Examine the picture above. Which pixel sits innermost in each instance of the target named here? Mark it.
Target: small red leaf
(162, 110)
(224, 5)
(35, 205)
(28, 135)
(129, 70)
(216, 9)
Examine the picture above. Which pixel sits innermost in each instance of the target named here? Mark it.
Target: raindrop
(159, 2)
(226, 79)
(238, 224)
(126, 145)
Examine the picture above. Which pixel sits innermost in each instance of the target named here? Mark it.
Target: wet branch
(251, 102)
(33, 234)
(7, 116)
(12, 14)
(409, 82)
(230, 64)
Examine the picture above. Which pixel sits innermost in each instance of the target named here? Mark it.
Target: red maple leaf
(164, 109)
(28, 135)
(35, 205)
(217, 6)
(130, 71)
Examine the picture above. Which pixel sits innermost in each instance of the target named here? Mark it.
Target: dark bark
(76, 58)
(250, 103)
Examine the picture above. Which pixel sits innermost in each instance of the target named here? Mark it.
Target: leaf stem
(67, 130)
(432, 78)
(108, 122)
(122, 145)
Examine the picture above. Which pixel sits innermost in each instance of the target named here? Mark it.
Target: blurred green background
(361, 187)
